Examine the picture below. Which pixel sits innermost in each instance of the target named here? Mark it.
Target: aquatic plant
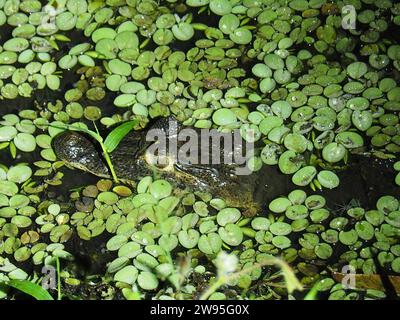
(311, 94)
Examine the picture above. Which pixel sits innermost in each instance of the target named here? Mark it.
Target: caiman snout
(79, 152)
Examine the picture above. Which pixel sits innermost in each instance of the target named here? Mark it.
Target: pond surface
(311, 94)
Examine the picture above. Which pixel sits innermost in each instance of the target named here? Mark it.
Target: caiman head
(133, 160)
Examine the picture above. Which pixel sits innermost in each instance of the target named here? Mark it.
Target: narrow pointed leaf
(115, 136)
(30, 288)
(72, 127)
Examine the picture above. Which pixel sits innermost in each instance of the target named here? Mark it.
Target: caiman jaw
(84, 168)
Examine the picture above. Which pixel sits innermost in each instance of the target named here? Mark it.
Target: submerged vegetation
(314, 84)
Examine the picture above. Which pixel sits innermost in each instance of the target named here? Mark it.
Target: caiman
(132, 161)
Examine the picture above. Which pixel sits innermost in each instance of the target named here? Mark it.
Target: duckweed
(317, 101)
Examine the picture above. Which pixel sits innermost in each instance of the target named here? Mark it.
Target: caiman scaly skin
(248, 192)
(131, 163)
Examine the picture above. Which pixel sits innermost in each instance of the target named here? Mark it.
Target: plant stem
(109, 163)
(224, 279)
(106, 155)
(58, 279)
(214, 287)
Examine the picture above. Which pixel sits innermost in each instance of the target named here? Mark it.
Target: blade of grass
(116, 135)
(93, 134)
(30, 288)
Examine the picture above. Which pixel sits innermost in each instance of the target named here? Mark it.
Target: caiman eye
(161, 162)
